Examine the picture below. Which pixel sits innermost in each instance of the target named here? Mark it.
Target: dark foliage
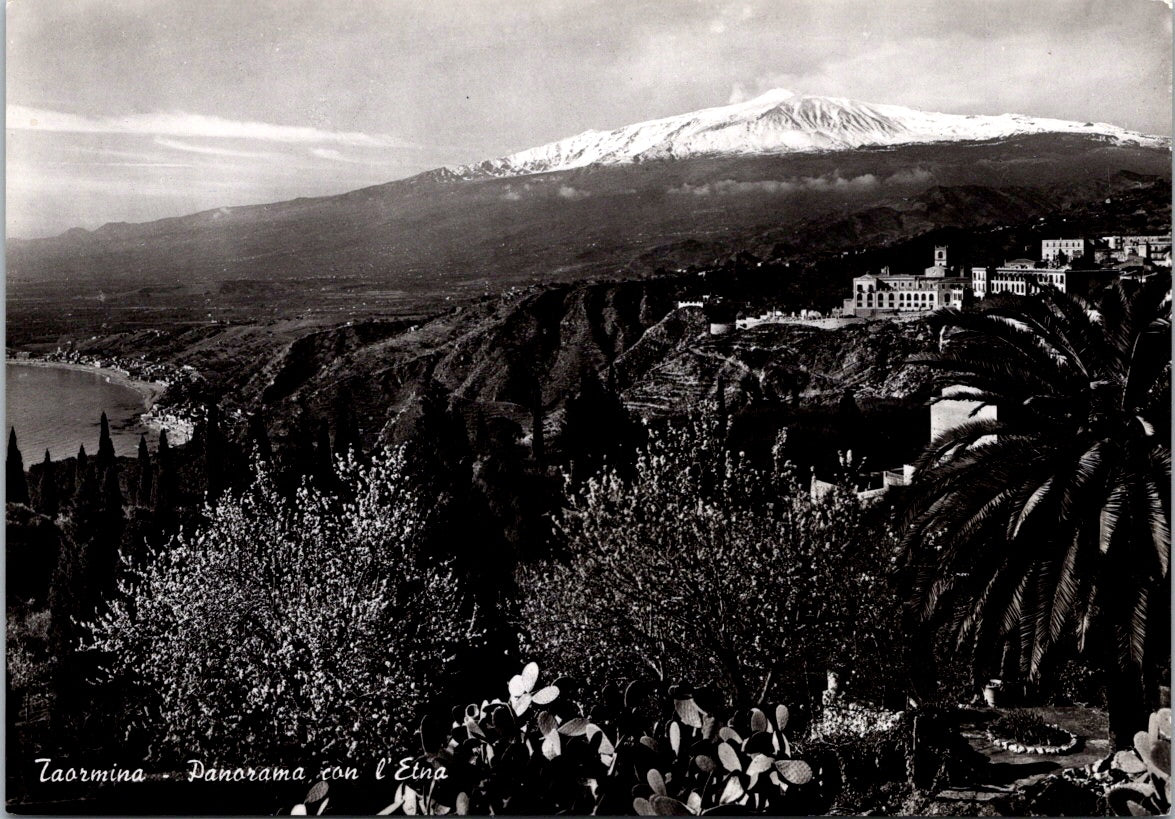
(105, 458)
(17, 487)
(1052, 522)
(48, 498)
(212, 437)
(143, 491)
(653, 749)
(878, 771)
(164, 494)
(258, 436)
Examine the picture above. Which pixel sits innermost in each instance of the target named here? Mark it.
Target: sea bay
(58, 407)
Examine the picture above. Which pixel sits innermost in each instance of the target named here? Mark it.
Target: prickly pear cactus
(1147, 792)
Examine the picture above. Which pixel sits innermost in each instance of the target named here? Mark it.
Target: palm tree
(1052, 522)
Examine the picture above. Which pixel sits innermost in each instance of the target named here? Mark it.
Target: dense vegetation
(692, 563)
(286, 629)
(1053, 521)
(311, 597)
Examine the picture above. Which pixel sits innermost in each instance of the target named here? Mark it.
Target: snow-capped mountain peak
(781, 121)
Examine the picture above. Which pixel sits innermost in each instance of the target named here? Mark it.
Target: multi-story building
(1137, 245)
(1154, 247)
(887, 293)
(1060, 251)
(1019, 276)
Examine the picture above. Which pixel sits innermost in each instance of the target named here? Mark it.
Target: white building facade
(1057, 251)
(884, 293)
(1019, 276)
(1156, 248)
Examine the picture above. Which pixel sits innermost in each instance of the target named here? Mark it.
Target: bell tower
(940, 255)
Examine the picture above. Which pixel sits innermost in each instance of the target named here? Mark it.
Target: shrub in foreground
(695, 564)
(283, 629)
(888, 761)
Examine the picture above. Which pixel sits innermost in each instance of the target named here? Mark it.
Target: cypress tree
(110, 494)
(85, 518)
(596, 428)
(80, 468)
(851, 423)
(18, 486)
(143, 495)
(324, 462)
(163, 498)
(47, 500)
(66, 486)
(105, 458)
(104, 548)
(297, 455)
(69, 594)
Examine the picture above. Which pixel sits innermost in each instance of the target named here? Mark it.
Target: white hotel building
(885, 293)
(1051, 250)
(1019, 276)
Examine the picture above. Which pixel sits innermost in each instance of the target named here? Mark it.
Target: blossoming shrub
(287, 630)
(697, 568)
(852, 719)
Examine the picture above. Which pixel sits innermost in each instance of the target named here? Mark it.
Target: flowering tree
(695, 567)
(287, 629)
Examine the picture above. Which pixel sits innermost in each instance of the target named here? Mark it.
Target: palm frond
(1069, 584)
(1138, 624)
(1056, 515)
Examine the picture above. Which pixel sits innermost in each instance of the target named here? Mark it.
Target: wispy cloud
(129, 164)
(568, 192)
(333, 154)
(177, 145)
(828, 182)
(162, 185)
(180, 124)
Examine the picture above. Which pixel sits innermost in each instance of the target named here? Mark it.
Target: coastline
(148, 391)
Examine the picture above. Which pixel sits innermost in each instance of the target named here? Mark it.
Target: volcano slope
(408, 246)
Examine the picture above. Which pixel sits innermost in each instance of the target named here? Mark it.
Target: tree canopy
(1052, 520)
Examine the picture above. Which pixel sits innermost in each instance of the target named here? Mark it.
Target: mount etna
(661, 194)
(400, 438)
(534, 270)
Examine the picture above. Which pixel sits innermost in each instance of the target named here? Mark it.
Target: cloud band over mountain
(181, 124)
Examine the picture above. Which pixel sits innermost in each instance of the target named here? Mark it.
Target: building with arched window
(885, 293)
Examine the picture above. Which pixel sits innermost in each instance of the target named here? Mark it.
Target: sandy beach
(149, 391)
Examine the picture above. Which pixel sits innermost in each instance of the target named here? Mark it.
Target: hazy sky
(137, 109)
